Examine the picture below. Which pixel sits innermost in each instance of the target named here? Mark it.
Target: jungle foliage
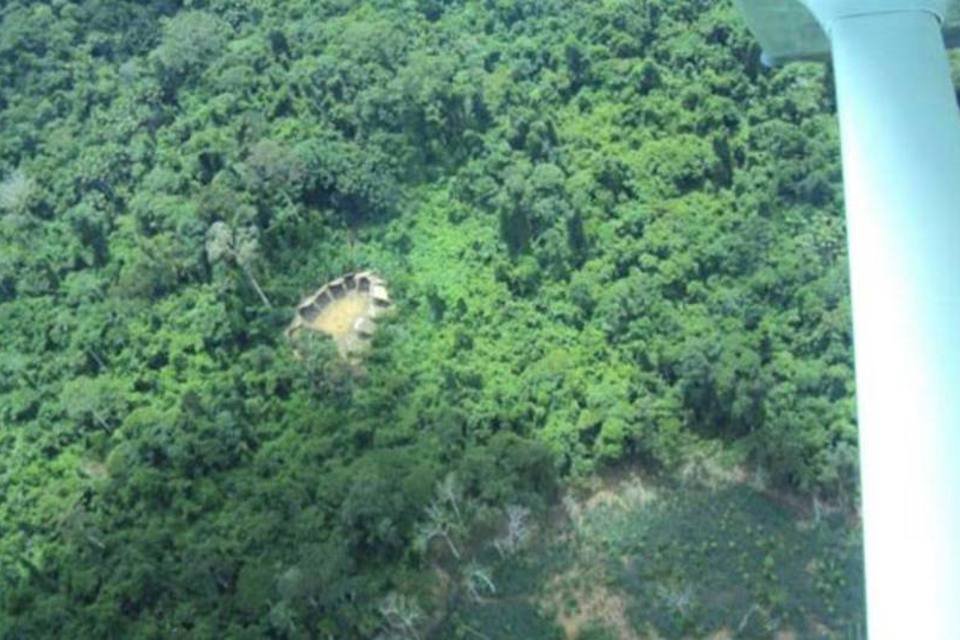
(613, 237)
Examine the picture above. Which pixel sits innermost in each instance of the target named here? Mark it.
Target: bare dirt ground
(338, 318)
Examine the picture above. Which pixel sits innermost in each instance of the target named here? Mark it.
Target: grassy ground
(638, 560)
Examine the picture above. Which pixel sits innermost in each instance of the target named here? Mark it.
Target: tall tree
(239, 247)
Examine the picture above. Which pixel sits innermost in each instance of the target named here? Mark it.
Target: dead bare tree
(441, 523)
(444, 517)
(401, 618)
(518, 531)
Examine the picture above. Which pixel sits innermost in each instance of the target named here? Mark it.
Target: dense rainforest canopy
(614, 240)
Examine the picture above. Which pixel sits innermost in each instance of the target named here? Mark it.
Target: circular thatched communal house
(345, 309)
